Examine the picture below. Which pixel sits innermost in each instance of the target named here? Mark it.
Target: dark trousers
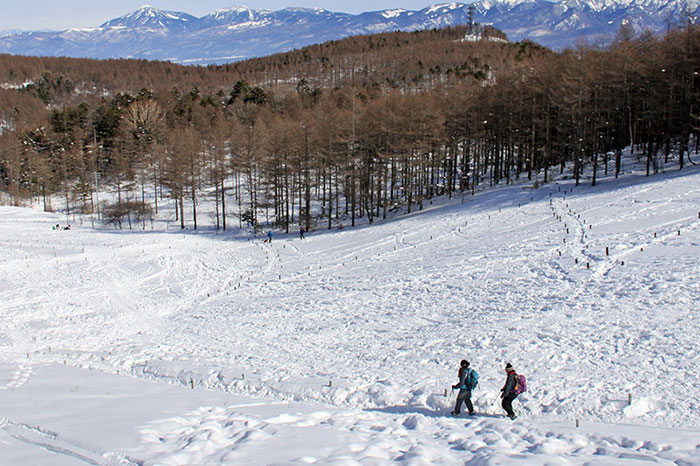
(466, 397)
(507, 403)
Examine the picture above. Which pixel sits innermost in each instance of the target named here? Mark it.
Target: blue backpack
(472, 379)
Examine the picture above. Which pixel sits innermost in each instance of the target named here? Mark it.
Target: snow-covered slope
(340, 348)
(241, 32)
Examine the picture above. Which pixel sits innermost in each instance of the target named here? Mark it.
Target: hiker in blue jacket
(508, 392)
(269, 236)
(467, 382)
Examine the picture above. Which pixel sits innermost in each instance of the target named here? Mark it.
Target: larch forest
(343, 130)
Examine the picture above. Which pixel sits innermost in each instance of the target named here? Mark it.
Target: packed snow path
(378, 317)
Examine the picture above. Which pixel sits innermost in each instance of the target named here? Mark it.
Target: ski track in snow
(18, 377)
(55, 443)
(374, 319)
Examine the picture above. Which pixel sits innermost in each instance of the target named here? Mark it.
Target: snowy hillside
(162, 347)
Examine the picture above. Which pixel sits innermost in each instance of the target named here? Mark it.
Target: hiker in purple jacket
(508, 392)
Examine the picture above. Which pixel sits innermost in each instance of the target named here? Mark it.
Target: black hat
(508, 366)
(464, 363)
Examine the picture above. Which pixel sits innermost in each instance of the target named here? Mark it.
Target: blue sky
(64, 14)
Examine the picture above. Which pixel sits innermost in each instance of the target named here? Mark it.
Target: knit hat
(509, 367)
(464, 363)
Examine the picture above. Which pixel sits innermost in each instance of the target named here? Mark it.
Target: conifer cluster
(345, 129)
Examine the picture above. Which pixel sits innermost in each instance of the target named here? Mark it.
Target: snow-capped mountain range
(238, 33)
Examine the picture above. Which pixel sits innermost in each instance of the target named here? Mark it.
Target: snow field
(104, 419)
(362, 329)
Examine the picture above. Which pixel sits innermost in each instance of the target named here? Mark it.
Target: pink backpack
(521, 384)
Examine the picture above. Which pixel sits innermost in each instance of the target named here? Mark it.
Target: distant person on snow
(301, 232)
(269, 236)
(467, 382)
(57, 227)
(508, 392)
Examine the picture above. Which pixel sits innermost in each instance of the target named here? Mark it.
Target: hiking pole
(449, 398)
(495, 401)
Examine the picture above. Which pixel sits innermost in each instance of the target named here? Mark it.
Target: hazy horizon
(35, 15)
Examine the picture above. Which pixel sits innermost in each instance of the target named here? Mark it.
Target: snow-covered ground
(162, 347)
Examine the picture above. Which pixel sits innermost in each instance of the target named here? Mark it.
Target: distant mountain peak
(236, 14)
(393, 13)
(241, 32)
(233, 9)
(146, 9)
(299, 9)
(150, 17)
(445, 7)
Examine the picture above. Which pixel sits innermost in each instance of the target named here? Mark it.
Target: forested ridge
(341, 130)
